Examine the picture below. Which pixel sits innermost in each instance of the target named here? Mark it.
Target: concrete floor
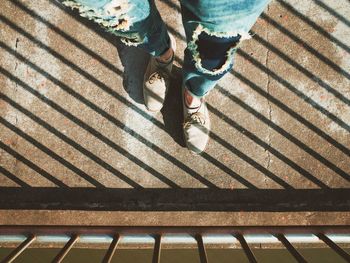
(76, 139)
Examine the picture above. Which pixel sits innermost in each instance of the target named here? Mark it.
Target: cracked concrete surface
(72, 116)
(268, 157)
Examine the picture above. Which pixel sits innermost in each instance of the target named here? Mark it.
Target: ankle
(191, 101)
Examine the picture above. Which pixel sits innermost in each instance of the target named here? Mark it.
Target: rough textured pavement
(78, 146)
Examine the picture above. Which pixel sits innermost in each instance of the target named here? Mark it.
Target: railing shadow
(13, 177)
(103, 113)
(215, 200)
(139, 199)
(284, 158)
(332, 12)
(314, 25)
(32, 165)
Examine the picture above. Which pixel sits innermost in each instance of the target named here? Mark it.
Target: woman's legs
(138, 23)
(213, 31)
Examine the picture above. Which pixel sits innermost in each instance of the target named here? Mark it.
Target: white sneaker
(157, 81)
(196, 126)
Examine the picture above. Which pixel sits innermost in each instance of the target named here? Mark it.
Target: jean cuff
(188, 88)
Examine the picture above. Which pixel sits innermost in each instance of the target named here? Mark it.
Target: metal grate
(32, 233)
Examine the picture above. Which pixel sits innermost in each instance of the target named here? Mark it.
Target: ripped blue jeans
(214, 29)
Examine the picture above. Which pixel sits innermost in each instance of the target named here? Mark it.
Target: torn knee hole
(118, 10)
(113, 16)
(123, 24)
(213, 51)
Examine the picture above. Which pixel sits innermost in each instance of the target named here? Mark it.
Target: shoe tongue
(198, 117)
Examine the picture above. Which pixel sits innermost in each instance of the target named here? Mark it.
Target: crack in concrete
(16, 45)
(268, 101)
(16, 85)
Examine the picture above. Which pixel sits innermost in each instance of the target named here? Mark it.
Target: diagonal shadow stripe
(100, 84)
(289, 86)
(310, 49)
(267, 147)
(106, 115)
(332, 12)
(312, 24)
(285, 83)
(69, 141)
(324, 160)
(32, 165)
(249, 160)
(51, 153)
(279, 104)
(230, 172)
(209, 158)
(73, 13)
(85, 127)
(284, 199)
(284, 133)
(158, 124)
(301, 145)
(13, 177)
(298, 93)
(72, 40)
(70, 91)
(293, 114)
(238, 153)
(279, 155)
(150, 199)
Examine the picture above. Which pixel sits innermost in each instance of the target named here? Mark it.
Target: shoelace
(160, 74)
(196, 117)
(155, 76)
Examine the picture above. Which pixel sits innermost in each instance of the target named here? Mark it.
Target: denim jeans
(213, 28)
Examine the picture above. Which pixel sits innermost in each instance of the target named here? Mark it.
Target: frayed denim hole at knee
(113, 16)
(213, 50)
(226, 65)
